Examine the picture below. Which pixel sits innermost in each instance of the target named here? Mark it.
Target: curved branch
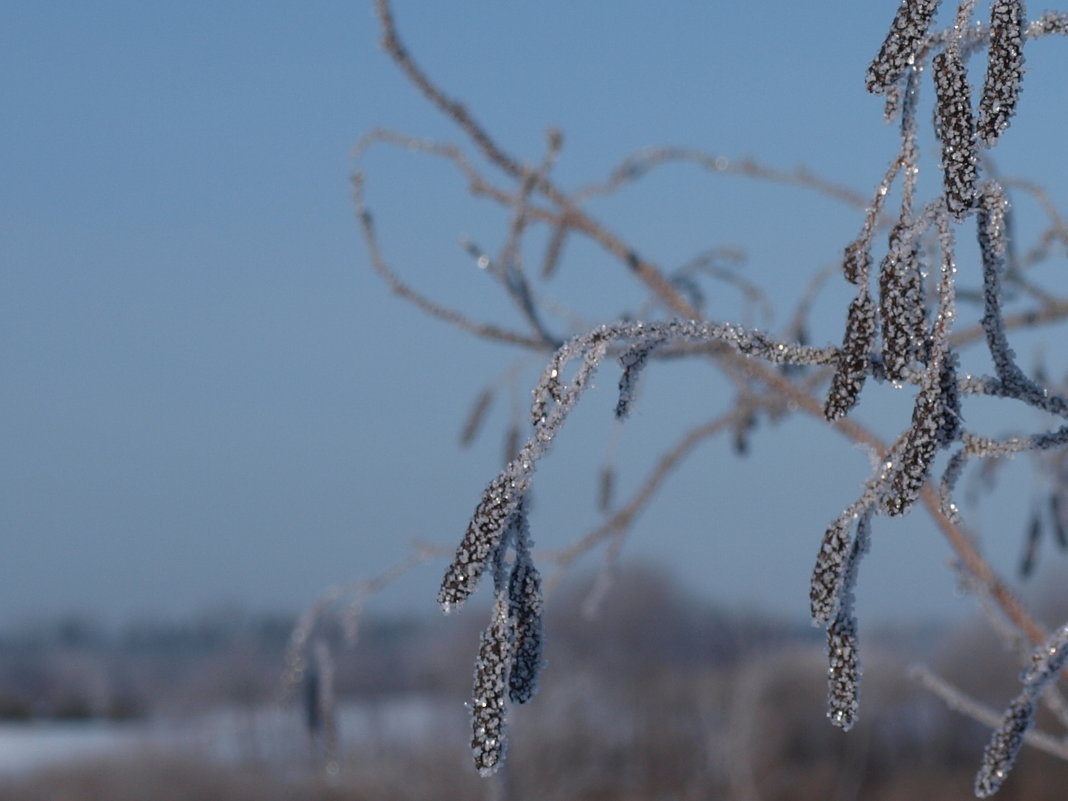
(484, 330)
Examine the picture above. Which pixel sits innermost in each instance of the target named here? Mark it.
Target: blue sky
(209, 397)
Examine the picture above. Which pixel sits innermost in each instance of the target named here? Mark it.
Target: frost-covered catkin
(910, 26)
(1047, 662)
(853, 359)
(901, 304)
(829, 571)
(524, 606)
(499, 503)
(832, 596)
(843, 673)
(835, 574)
(955, 126)
(488, 702)
(857, 260)
(1004, 70)
(918, 452)
(1001, 752)
(633, 360)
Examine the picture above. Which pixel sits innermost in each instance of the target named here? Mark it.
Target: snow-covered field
(273, 733)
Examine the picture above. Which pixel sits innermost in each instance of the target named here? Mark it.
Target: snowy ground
(271, 733)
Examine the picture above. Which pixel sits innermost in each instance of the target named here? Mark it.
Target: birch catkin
(899, 49)
(955, 126)
(853, 359)
(1004, 70)
(901, 304)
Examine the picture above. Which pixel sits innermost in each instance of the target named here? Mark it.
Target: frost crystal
(854, 357)
(902, 43)
(1004, 70)
(956, 131)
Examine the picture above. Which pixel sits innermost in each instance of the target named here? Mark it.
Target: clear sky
(208, 397)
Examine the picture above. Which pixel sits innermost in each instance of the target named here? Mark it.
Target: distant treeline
(657, 694)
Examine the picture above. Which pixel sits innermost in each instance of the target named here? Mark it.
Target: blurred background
(213, 410)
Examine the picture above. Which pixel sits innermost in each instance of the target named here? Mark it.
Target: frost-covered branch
(898, 329)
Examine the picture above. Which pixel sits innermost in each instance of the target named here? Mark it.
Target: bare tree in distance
(900, 329)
